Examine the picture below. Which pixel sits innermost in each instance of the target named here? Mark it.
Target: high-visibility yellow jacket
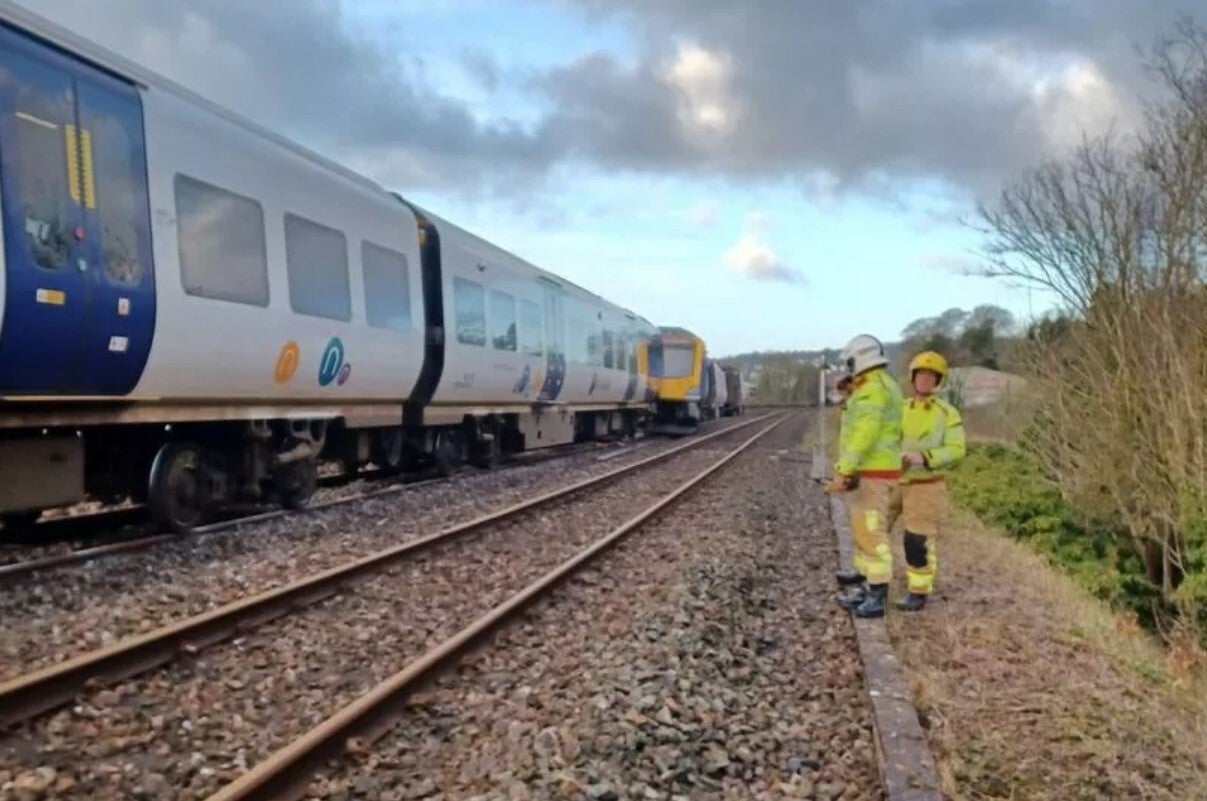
(870, 440)
(934, 428)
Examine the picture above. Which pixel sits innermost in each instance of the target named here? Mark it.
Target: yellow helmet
(929, 360)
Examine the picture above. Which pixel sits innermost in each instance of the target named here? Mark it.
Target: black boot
(873, 604)
(853, 598)
(912, 603)
(848, 577)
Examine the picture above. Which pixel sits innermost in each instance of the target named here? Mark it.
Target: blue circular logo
(332, 361)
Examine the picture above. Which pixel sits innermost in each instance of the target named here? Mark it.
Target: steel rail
(26, 696)
(14, 571)
(285, 775)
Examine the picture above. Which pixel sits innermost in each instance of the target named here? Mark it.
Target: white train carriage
(529, 359)
(193, 309)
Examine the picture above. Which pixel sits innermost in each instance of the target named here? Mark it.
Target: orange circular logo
(287, 362)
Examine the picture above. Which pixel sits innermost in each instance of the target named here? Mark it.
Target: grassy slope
(1029, 687)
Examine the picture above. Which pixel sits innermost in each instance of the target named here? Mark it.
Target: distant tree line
(983, 337)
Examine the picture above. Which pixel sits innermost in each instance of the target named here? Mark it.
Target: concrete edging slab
(907, 768)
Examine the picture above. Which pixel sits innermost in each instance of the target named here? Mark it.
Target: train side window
(469, 302)
(502, 320)
(42, 154)
(656, 367)
(531, 329)
(387, 287)
(316, 259)
(221, 243)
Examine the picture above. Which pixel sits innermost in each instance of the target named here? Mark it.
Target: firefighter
(869, 465)
(932, 439)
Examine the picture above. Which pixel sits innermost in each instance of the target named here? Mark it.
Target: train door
(79, 299)
(554, 308)
(628, 356)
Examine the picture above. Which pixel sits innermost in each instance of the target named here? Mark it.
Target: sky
(779, 174)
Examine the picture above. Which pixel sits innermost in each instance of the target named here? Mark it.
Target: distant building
(980, 386)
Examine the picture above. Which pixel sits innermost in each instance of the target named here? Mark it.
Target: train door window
(609, 357)
(47, 159)
(469, 302)
(594, 345)
(502, 320)
(316, 258)
(112, 185)
(531, 329)
(387, 288)
(221, 241)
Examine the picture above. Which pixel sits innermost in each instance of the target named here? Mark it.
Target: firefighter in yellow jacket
(932, 439)
(869, 463)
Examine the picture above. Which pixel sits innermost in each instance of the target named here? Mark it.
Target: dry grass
(1031, 689)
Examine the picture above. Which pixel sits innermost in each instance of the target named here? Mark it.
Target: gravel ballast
(703, 658)
(57, 614)
(183, 731)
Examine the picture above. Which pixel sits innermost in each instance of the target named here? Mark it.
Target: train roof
(441, 222)
(676, 331)
(27, 21)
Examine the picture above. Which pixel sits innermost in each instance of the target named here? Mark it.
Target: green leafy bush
(1005, 488)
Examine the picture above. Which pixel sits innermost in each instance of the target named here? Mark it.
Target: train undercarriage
(676, 418)
(188, 473)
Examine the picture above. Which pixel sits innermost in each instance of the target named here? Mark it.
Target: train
(688, 386)
(196, 311)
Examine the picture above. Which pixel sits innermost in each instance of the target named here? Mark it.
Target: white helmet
(862, 354)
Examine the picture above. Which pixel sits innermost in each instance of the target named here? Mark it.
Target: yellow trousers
(869, 506)
(923, 507)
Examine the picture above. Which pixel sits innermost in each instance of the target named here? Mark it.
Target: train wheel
(387, 449)
(448, 453)
(487, 451)
(296, 482)
(179, 490)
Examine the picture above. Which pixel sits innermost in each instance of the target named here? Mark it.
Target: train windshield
(671, 360)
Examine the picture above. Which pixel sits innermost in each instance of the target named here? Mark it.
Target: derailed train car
(194, 310)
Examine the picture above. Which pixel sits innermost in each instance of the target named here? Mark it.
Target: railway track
(73, 526)
(288, 772)
(24, 697)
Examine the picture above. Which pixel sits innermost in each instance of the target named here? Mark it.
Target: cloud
(754, 258)
(949, 263)
(850, 95)
(305, 73)
(827, 96)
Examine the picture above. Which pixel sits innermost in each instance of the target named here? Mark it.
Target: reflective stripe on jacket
(934, 428)
(870, 441)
